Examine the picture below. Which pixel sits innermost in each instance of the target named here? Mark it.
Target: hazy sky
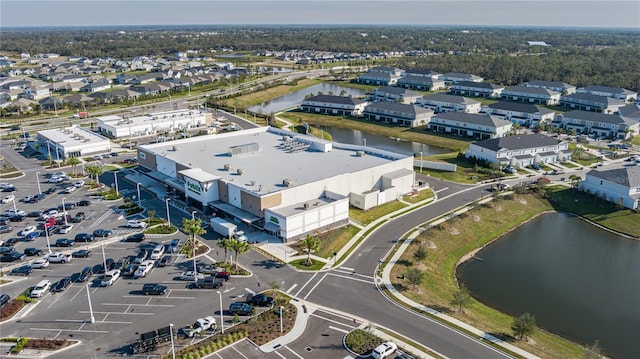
(581, 13)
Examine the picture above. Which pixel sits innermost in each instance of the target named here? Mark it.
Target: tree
(239, 247)
(310, 244)
(95, 171)
(420, 253)
(593, 351)
(461, 299)
(575, 180)
(523, 325)
(192, 227)
(74, 162)
(224, 243)
(151, 214)
(415, 276)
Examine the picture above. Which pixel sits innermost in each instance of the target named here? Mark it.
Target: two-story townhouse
(617, 93)
(394, 94)
(378, 78)
(620, 185)
(594, 103)
(469, 125)
(96, 86)
(397, 113)
(557, 86)
(422, 73)
(476, 89)
(333, 105)
(599, 124)
(423, 83)
(630, 111)
(440, 102)
(453, 77)
(521, 150)
(537, 95)
(35, 93)
(523, 114)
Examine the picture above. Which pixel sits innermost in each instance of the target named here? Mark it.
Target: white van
(157, 253)
(40, 289)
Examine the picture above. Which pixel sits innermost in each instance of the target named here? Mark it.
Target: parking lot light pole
(138, 188)
(193, 245)
(104, 258)
(92, 319)
(15, 209)
(115, 177)
(38, 181)
(64, 212)
(221, 317)
(166, 201)
(280, 319)
(173, 348)
(46, 233)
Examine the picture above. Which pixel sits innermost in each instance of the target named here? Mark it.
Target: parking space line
(317, 284)
(338, 329)
(331, 320)
(234, 348)
(278, 354)
(142, 305)
(72, 330)
(291, 288)
(294, 353)
(350, 277)
(250, 291)
(121, 313)
(305, 284)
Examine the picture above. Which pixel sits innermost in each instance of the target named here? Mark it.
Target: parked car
(11, 242)
(78, 183)
(27, 230)
(65, 242)
(209, 283)
(259, 300)
(130, 270)
(4, 299)
(122, 263)
(157, 252)
(58, 257)
(34, 214)
(40, 263)
(17, 218)
(173, 246)
(61, 285)
(240, 308)
(66, 229)
(200, 326)
(7, 187)
(83, 237)
(22, 270)
(103, 233)
(12, 257)
(84, 203)
(30, 251)
(8, 199)
(164, 261)
(109, 262)
(51, 213)
(154, 288)
(50, 231)
(32, 236)
(135, 223)
(40, 289)
(6, 229)
(6, 249)
(69, 189)
(51, 190)
(384, 350)
(110, 278)
(143, 269)
(81, 253)
(136, 237)
(85, 274)
(131, 160)
(49, 222)
(37, 198)
(221, 274)
(190, 276)
(55, 179)
(13, 212)
(79, 217)
(143, 255)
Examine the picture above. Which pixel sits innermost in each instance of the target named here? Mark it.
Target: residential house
(381, 75)
(422, 73)
(557, 86)
(537, 95)
(630, 111)
(78, 100)
(72, 78)
(470, 125)
(394, 94)
(594, 103)
(96, 86)
(453, 77)
(333, 105)
(523, 114)
(603, 125)
(146, 90)
(521, 150)
(124, 79)
(35, 93)
(620, 185)
(423, 83)
(67, 86)
(50, 103)
(617, 93)
(440, 102)
(397, 113)
(22, 105)
(145, 79)
(476, 89)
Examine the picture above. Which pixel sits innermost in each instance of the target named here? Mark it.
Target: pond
(295, 98)
(579, 281)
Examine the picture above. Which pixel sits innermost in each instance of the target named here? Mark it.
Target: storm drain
(308, 349)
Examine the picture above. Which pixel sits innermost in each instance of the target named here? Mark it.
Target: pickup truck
(58, 257)
(200, 326)
(209, 283)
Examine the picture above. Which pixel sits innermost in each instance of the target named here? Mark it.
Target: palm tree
(95, 171)
(310, 244)
(224, 243)
(192, 227)
(74, 162)
(239, 247)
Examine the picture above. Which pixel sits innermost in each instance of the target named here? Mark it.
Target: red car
(49, 222)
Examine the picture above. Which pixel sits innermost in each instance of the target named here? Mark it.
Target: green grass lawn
(464, 173)
(421, 196)
(636, 140)
(366, 217)
(301, 264)
(162, 230)
(568, 164)
(333, 241)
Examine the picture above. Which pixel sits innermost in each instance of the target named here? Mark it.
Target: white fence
(435, 165)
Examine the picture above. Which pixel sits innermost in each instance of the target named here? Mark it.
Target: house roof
(458, 75)
(632, 111)
(597, 117)
(450, 98)
(519, 107)
(422, 72)
(548, 84)
(418, 79)
(387, 69)
(482, 85)
(341, 100)
(482, 120)
(398, 91)
(530, 90)
(627, 176)
(396, 107)
(616, 90)
(585, 97)
(517, 142)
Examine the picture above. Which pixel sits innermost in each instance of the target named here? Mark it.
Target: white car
(78, 184)
(191, 275)
(69, 189)
(40, 263)
(27, 230)
(58, 257)
(134, 223)
(384, 350)
(6, 186)
(11, 212)
(143, 269)
(9, 198)
(55, 179)
(40, 289)
(110, 277)
(66, 228)
(51, 214)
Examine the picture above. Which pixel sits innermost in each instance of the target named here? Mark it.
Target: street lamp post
(38, 181)
(138, 188)
(420, 162)
(104, 258)
(280, 319)
(193, 247)
(115, 178)
(64, 212)
(365, 143)
(221, 317)
(92, 319)
(46, 234)
(166, 201)
(173, 348)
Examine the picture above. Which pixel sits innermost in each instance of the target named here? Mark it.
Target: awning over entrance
(270, 227)
(175, 183)
(234, 211)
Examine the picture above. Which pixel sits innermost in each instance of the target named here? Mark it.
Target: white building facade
(118, 127)
(520, 151)
(621, 185)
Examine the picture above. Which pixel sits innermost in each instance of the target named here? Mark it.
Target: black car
(164, 261)
(68, 206)
(113, 154)
(136, 237)
(85, 274)
(37, 197)
(259, 300)
(6, 249)
(34, 214)
(65, 242)
(122, 263)
(154, 288)
(33, 251)
(4, 299)
(143, 255)
(24, 270)
(4, 221)
(209, 283)
(17, 218)
(79, 217)
(62, 221)
(51, 231)
(82, 253)
(61, 285)
(103, 233)
(11, 241)
(84, 237)
(6, 229)
(110, 262)
(130, 161)
(51, 190)
(129, 270)
(240, 308)
(84, 203)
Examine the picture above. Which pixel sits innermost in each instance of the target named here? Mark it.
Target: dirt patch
(521, 200)
(421, 266)
(476, 218)
(430, 245)
(498, 208)
(454, 231)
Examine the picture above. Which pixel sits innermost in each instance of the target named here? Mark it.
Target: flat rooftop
(72, 136)
(265, 157)
(151, 119)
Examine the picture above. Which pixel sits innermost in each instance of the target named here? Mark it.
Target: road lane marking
(338, 329)
(351, 273)
(350, 325)
(234, 348)
(72, 330)
(305, 284)
(351, 277)
(250, 291)
(291, 288)
(294, 353)
(314, 287)
(347, 269)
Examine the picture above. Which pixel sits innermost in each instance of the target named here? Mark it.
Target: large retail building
(285, 183)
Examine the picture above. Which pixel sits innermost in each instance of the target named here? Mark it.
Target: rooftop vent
(253, 183)
(228, 167)
(239, 171)
(287, 182)
(360, 153)
(306, 205)
(175, 148)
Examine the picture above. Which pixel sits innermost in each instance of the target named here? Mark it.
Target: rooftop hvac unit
(227, 167)
(239, 171)
(360, 153)
(287, 182)
(175, 148)
(86, 140)
(253, 183)
(306, 205)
